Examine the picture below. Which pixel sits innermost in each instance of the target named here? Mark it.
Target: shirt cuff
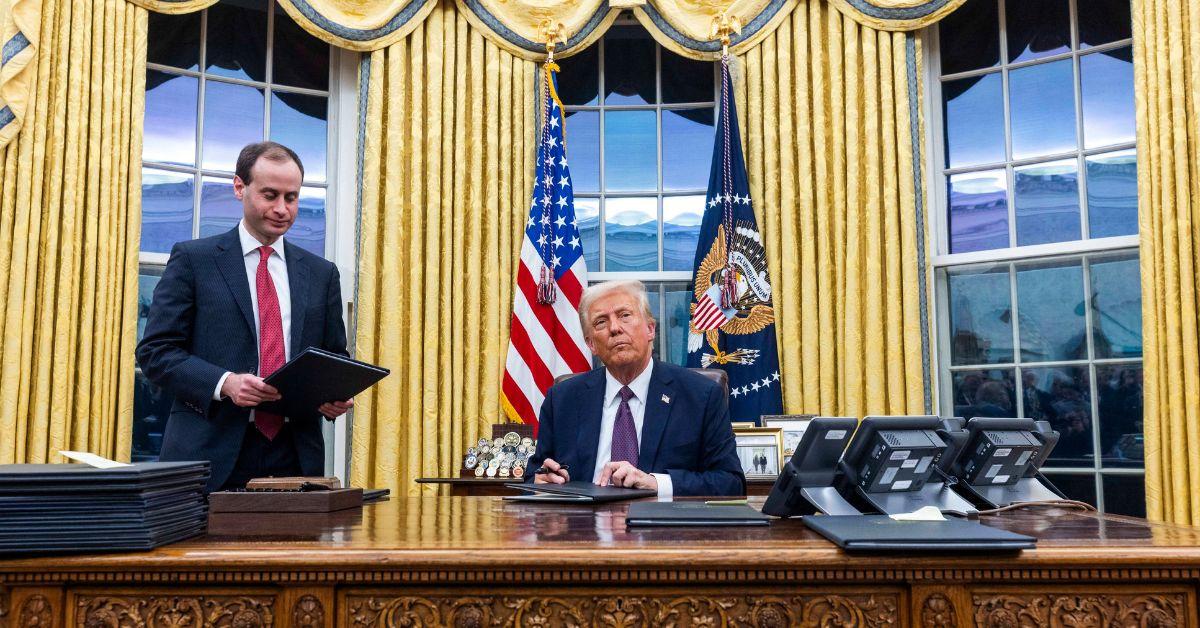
(220, 383)
(665, 488)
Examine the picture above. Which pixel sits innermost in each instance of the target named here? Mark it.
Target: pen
(542, 469)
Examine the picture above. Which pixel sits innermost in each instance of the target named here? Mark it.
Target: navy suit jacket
(201, 324)
(688, 437)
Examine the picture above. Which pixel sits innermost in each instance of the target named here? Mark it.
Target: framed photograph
(760, 450)
(744, 425)
(793, 426)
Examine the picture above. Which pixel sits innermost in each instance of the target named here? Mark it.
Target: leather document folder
(315, 377)
(692, 514)
(882, 533)
(576, 493)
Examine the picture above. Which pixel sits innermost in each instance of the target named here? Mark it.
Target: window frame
(1086, 250)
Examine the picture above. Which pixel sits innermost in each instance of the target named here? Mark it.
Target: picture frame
(793, 426)
(760, 451)
(744, 425)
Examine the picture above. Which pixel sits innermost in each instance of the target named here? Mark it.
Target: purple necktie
(624, 436)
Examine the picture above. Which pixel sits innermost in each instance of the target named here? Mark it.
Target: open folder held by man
(635, 422)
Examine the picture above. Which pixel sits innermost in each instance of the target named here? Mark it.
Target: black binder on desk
(882, 533)
(692, 514)
(315, 377)
(576, 493)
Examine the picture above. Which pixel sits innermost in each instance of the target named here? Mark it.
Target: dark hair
(273, 151)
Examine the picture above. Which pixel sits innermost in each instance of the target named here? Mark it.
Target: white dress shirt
(277, 267)
(608, 417)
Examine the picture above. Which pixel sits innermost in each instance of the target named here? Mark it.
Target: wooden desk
(494, 487)
(485, 562)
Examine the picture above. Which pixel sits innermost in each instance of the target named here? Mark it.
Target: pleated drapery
(447, 170)
(829, 112)
(69, 232)
(1166, 61)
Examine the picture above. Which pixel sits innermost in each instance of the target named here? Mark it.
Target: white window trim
(937, 223)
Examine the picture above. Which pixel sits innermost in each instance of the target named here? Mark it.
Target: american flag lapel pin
(666, 399)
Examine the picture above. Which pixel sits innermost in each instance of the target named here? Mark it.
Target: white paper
(926, 513)
(92, 459)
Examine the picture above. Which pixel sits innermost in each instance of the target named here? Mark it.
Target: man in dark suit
(636, 422)
(231, 309)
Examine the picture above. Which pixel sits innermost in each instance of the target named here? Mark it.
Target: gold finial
(551, 34)
(724, 26)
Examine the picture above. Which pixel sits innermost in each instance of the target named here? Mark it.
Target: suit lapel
(658, 413)
(232, 265)
(298, 286)
(589, 423)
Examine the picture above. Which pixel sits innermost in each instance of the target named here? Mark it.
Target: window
(640, 128)
(1037, 265)
(216, 80)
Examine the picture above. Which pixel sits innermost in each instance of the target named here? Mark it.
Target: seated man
(637, 422)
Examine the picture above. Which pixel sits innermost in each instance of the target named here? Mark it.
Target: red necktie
(270, 339)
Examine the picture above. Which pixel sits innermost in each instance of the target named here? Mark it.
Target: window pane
(147, 280)
(1043, 109)
(220, 210)
(687, 148)
(1047, 202)
(687, 80)
(974, 117)
(233, 117)
(300, 59)
(1102, 21)
(583, 149)
(151, 409)
(1120, 407)
(630, 151)
(174, 40)
(978, 211)
(1112, 194)
(169, 128)
(1125, 495)
(985, 393)
(970, 37)
(675, 322)
(682, 216)
(1037, 28)
(628, 66)
(630, 234)
(980, 317)
(1116, 308)
(1050, 309)
(237, 41)
(1060, 395)
(1079, 487)
(301, 123)
(579, 81)
(587, 214)
(309, 229)
(1107, 88)
(166, 209)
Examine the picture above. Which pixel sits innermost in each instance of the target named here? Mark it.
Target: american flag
(546, 339)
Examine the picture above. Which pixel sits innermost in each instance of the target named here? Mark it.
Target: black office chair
(717, 375)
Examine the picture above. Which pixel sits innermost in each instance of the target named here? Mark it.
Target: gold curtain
(173, 7)
(69, 198)
(1166, 62)
(830, 125)
(449, 138)
(359, 25)
(20, 23)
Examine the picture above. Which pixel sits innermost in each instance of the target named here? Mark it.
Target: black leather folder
(692, 514)
(576, 493)
(315, 377)
(882, 533)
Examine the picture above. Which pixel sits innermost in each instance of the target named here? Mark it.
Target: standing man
(231, 309)
(636, 422)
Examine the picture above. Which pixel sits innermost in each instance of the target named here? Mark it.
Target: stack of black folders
(577, 492)
(64, 508)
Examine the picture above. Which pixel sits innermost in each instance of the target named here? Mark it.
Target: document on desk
(315, 377)
(884, 533)
(576, 493)
(692, 514)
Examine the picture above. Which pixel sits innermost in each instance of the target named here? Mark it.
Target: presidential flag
(733, 323)
(546, 339)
